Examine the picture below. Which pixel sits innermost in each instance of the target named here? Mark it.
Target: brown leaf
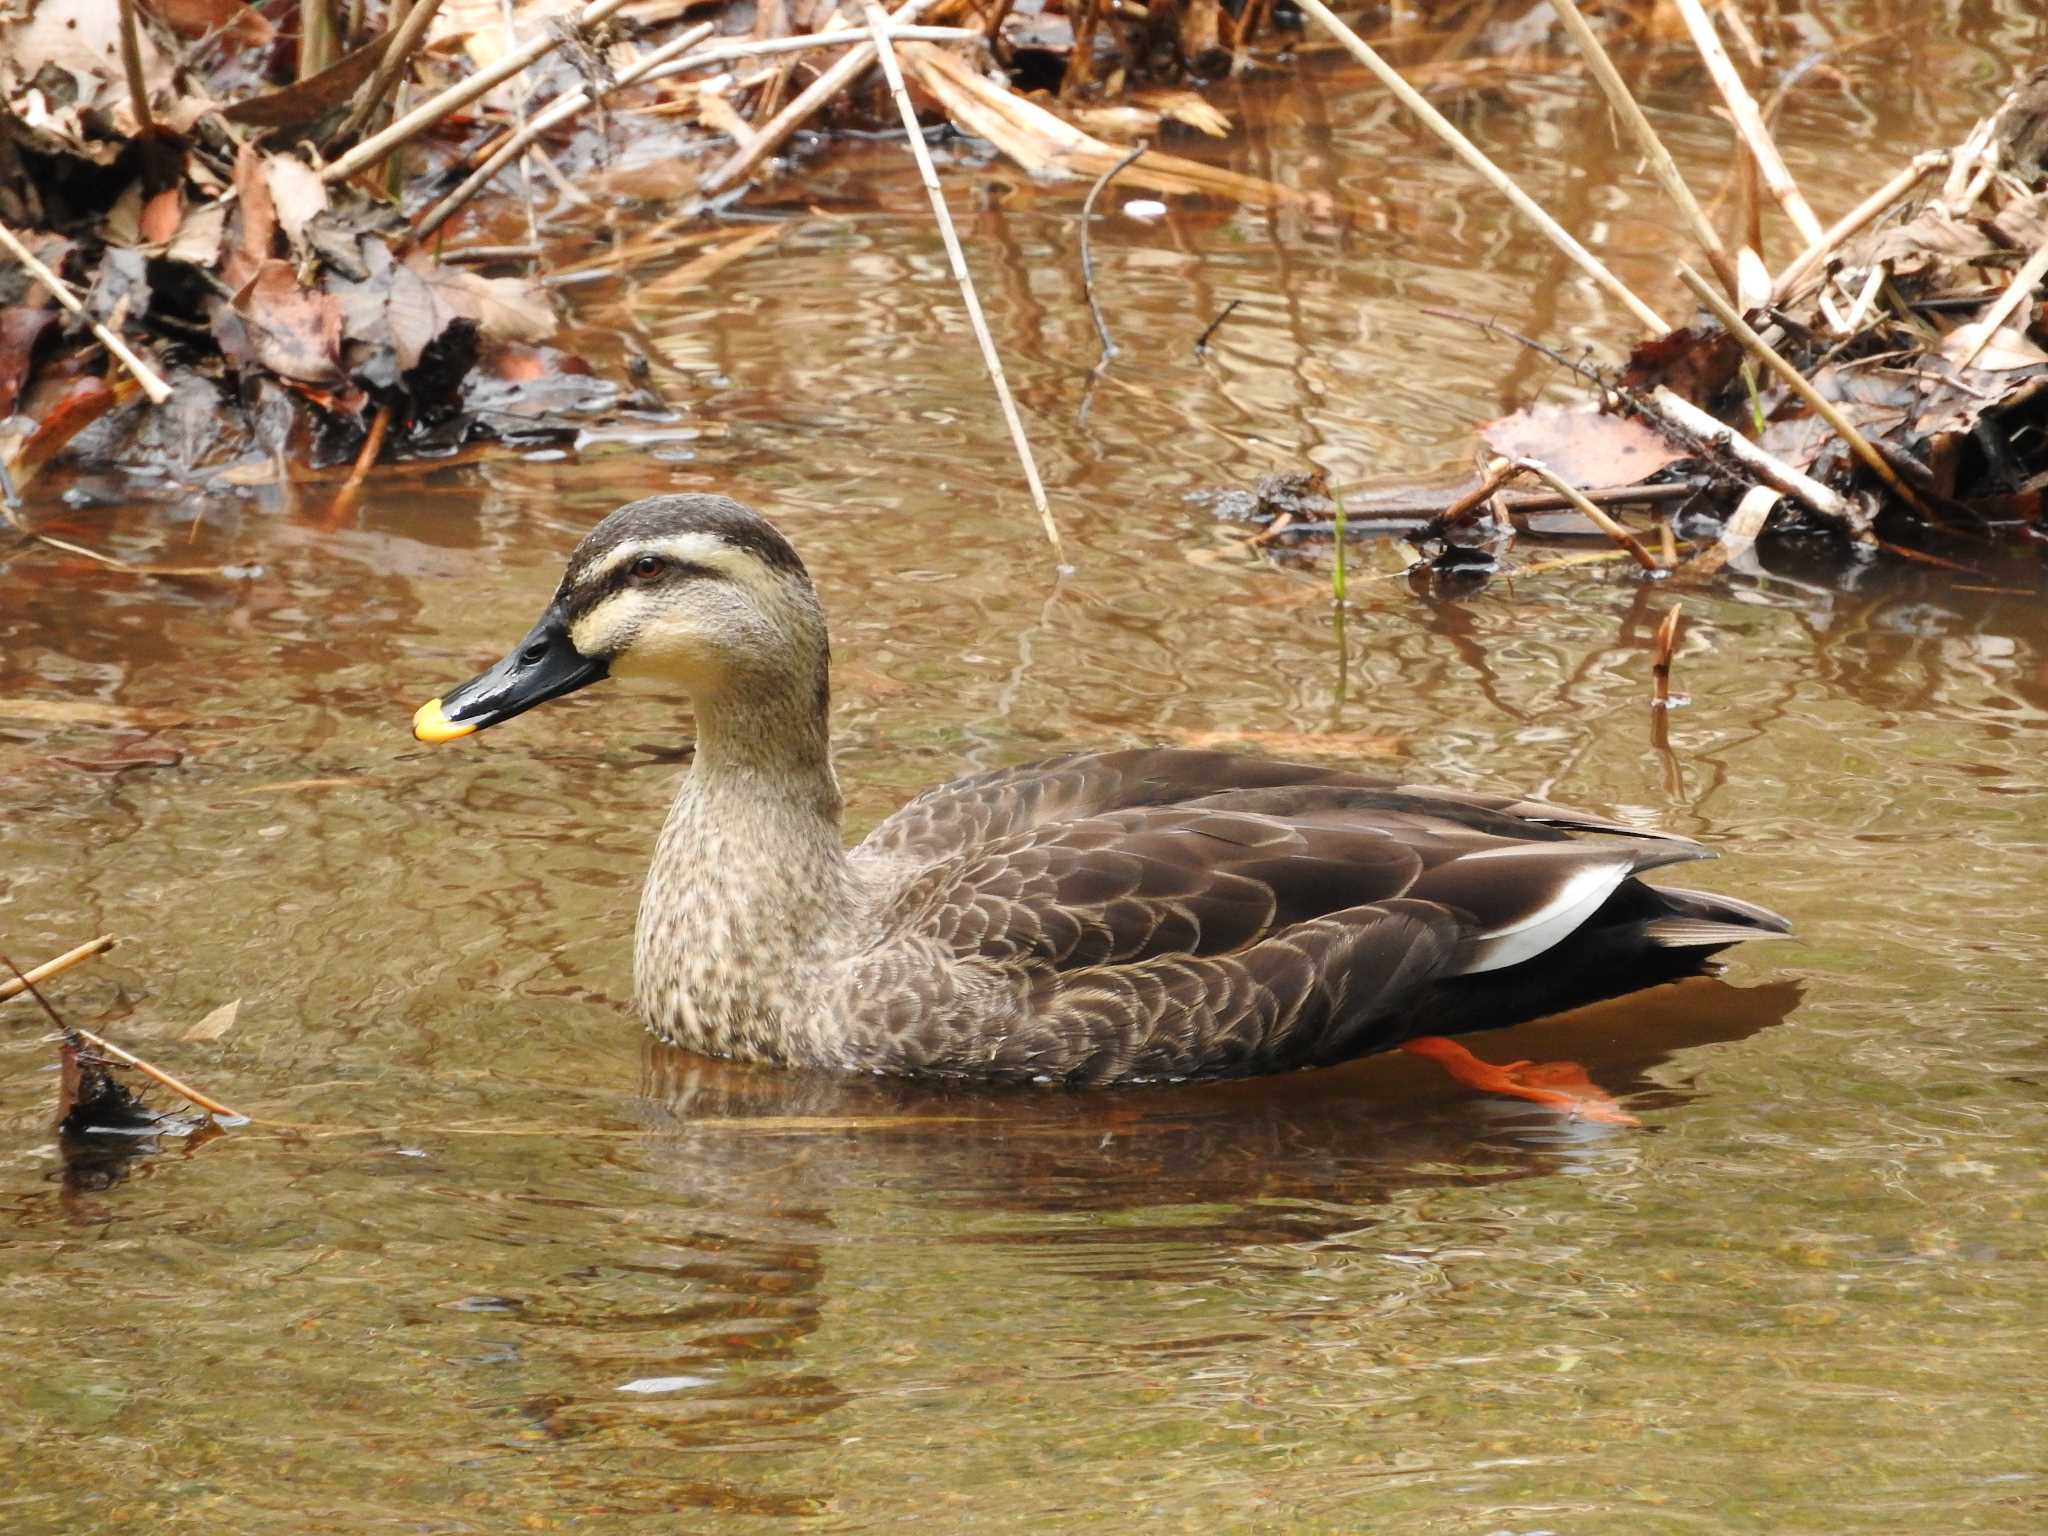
(504, 308)
(236, 21)
(1693, 364)
(216, 1023)
(297, 193)
(255, 220)
(294, 332)
(1583, 447)
(312, 97)
(22, 326)
(199, 235)
(161, 216)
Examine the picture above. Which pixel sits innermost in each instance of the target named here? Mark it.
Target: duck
(1093, 919)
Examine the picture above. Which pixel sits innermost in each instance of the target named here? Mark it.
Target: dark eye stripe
(621, 575)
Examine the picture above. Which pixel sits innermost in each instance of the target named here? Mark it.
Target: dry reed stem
(460, 94)
(885, 50)
(1692, 422)
(152, 386)
(1492, 174)
(397, 55)
(373, 444)
(1795, 381)
(156, 1074)
(776, 131)
(1822, 246)
(13, 986)
(556, 111)
(1749, 122)
(2019, 289)
(1661, 163)
(1592, 513)
(1466, 507)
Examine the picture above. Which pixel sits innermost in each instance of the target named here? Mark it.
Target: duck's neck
(749, 893)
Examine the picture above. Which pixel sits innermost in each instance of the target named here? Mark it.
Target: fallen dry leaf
(22, 326)
(236, 22)
(313, 97)
(295, 332)
(216, 1023)
(297, 193)
(1583, 447)
(504, 308)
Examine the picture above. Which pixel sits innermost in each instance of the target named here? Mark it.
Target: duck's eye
(647, 567)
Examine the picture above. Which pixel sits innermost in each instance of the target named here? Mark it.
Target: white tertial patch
(1577, 897)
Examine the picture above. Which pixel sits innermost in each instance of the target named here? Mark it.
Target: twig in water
(1748, 121)
(1202, 341)
(878, 30)
(23, 981)
(461, 94)
(1494, 176)
(1824, 408)
(190, 1095)
(131, 62)
(1660, 664)
(1088, 252)
(373, 444)
(1696, 424)
(1462, 511)
(152, 386)
(1653, 149)
(397, 55)
(1593, 514)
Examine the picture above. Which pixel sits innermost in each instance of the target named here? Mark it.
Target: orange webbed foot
(1562, 1084)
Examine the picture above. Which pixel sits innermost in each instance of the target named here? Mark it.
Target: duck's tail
(1701, 920)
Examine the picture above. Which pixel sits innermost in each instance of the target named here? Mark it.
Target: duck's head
(695, 590)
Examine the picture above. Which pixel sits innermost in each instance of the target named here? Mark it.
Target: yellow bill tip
(431, 723)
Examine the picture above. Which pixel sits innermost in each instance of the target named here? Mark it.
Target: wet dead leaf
(22, 326)
(1583, 447)
(255, 220)
(2011, 347)
(216, 1023)
(313, 97)
(294, 332)
(236, 22)
(297, 193)
(504, 308)
(161, 216)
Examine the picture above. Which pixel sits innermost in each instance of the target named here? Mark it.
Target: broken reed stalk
(23, 981)
(1661, 163)
(397, 55)
(1820, 248)
(1088, 252)
(461, 94)
(556, 111)
(885, 50)
(1795, 381)
(1209, 330)
(155, 1074)
(2019, 289)
(1694, 423)
(771, 135)
(1660, 663)
(373, 444)
(1466, 507)
(1749, 122)
(152, 386)
(131, 64)
(1592, 513)
(1492, 174)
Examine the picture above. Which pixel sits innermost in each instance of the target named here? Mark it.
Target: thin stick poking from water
(1660, 664)
(1088, 252)
(1202, 341)
(1593, 514)
(878, 30)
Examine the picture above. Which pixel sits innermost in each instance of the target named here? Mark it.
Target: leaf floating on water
(1584, 447)
(216, 1023)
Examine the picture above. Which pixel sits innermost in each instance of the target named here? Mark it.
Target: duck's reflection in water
(783, 1180)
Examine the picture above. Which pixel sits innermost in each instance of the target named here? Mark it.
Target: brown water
(517, 1269)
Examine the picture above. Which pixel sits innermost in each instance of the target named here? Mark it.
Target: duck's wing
(955, 817)
(1254, 928)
